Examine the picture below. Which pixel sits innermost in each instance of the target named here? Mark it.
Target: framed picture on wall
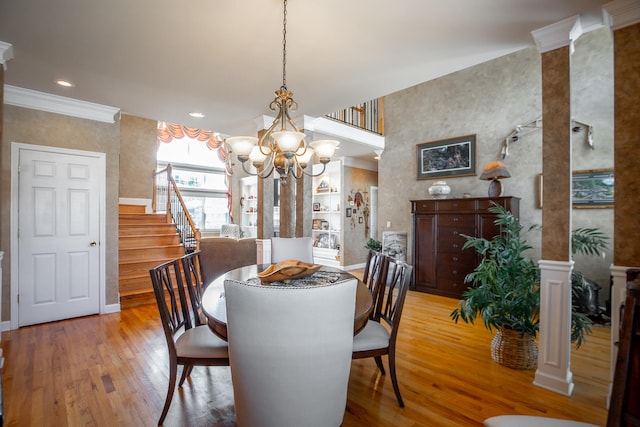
(592, 188)
(447, 157)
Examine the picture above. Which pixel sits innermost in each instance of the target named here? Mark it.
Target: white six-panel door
(58, 235)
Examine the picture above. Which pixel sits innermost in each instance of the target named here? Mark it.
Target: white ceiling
(161, 59)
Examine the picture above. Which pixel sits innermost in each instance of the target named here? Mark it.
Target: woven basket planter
(513, 350)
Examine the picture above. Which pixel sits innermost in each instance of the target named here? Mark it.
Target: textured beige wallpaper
(138, 147)
(489, 100)
(627, 150)
(41, 128)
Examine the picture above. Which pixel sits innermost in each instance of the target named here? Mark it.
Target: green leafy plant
(374, 245)
(505, 290)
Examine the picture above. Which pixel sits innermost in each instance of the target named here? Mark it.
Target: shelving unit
(327, 215)
(249, 207)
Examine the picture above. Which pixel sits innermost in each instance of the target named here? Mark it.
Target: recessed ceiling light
(65, 83)
(196, 114)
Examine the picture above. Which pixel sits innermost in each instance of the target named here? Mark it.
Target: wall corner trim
(560, 34)
(6, 53)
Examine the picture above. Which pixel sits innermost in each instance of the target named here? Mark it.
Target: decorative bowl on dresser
(439, 263)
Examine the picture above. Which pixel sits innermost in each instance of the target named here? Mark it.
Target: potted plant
(505, 293)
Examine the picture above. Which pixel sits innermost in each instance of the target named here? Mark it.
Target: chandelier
(282, 147)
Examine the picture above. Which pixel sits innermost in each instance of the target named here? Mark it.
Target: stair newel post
(154, 196)
(169, 178)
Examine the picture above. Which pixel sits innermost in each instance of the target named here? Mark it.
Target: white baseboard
(354, 266)
(111, 308)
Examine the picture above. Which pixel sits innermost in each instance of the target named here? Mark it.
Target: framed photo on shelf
(447, 158)
(316, 224)
(324, 225)
(326, 240)
(316, 207)
(592, 188)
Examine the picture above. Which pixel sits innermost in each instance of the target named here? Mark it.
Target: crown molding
(35, 100)
(621, 13)
(560, 34)
(6, 53)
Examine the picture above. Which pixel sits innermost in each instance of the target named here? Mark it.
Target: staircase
(145, 240)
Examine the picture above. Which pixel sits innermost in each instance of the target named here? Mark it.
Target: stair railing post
(169, 176)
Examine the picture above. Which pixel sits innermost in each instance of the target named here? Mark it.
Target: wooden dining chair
(290, 352)
(192, 268)
(378, 338)
(188, 345)
(375, 273)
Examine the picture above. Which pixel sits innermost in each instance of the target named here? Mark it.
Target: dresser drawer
(451, 240)
(455, 232)
(452, 279)
(462, 260)
(456, 205)
(457, 220)
(421, 206)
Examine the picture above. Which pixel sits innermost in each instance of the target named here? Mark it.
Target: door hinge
(18, 298)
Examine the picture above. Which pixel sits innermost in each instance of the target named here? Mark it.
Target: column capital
(621, 13)
(560, 34)
(6, 53)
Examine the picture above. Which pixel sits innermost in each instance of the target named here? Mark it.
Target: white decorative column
(623, 17)
(554, 354)
(263, 247)
(555, 44)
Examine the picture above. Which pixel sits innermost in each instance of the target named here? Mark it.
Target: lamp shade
(324, 148)
(242, 145)
(495, 170)
(288, 141)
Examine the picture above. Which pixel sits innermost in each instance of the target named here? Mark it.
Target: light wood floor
(111, 370)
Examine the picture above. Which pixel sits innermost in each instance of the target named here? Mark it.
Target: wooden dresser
(440, 265)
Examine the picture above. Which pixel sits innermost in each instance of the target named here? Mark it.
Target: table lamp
(494, 172)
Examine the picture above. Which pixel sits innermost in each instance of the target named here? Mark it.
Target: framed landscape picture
(592, 188)
(447, 158)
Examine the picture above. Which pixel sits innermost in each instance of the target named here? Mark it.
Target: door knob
(93, 244)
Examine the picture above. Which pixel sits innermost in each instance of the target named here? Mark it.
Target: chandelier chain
(284, 46)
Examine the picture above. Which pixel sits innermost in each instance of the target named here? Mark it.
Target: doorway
(57, 233)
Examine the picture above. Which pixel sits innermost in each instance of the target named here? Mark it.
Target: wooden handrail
(175, 209)
(368, 116)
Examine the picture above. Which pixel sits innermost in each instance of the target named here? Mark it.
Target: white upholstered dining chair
(298, 248)
(290, 352)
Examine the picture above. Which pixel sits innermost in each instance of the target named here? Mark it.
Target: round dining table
(215, 308)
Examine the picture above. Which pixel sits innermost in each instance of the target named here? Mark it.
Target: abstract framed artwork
(592, 188)
(447, 158)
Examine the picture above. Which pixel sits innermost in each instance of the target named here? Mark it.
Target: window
(200, 176)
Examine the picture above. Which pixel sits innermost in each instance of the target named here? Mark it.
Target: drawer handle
(455, 258)
(455, 272)
(455, 245)
(456, 219)
(455, 233)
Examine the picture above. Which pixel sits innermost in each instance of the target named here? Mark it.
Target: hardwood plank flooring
(111, 370)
